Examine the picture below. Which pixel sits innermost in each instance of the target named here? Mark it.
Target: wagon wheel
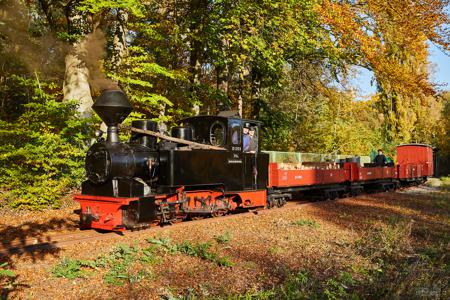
(280, 202)
(219, 212)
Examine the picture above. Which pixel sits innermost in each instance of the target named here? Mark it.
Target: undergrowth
(223, 238)
(200, 250)
(309, 223)
(42, 150)
(397, 270)
(125, 264)
(7, 280)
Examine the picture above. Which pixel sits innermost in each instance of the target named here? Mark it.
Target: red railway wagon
(305, 177)
(415, 164)
(415, 161)
(358, 173)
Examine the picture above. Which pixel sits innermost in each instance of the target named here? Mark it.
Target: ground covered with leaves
(374, 246)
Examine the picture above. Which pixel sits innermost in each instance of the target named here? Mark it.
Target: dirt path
(355, 246)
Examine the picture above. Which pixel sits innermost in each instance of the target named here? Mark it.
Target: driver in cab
(250, 141)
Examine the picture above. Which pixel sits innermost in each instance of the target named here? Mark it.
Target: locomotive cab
(231, 168)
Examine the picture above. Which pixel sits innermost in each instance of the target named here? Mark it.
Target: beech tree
(391, 39)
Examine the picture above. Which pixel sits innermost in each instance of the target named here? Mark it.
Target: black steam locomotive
(201, 170)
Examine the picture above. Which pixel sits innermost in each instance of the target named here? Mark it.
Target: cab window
(217, 134)
(235, 132)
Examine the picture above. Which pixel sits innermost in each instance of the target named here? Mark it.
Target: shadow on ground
(29, 240)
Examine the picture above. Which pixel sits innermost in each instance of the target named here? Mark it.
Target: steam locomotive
(206, 169)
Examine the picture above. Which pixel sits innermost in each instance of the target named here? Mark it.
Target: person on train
(246, 139)
(253, 140)
(380, 159)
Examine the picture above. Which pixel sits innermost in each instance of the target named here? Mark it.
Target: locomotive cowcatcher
(144, 181)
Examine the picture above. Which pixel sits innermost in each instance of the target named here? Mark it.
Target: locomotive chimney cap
(112, 106)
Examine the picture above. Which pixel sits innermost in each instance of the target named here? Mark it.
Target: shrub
(42, 151)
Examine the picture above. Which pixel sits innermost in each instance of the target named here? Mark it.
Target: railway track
(58, 241)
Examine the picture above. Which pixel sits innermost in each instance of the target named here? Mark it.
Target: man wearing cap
(253, 140)
(380, 159)
(246, 140)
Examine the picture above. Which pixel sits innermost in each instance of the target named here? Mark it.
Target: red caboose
(415, 162)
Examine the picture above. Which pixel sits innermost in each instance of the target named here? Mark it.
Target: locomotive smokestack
(112, 106)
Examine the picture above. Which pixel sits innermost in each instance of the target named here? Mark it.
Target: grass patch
(7, 280)
(5, 273)
(302, 285)
(398, 268)
(200, 250)
(308, 223)
(223, 238)
(73, 268)
(274, 250)
(382, 240)
(445, 183)
(123, 264)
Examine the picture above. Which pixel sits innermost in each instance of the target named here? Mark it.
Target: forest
(287, 63)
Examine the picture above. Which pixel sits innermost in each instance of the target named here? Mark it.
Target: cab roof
(206, 117)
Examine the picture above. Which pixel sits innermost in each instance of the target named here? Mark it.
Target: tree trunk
(222, 79)
(222, 83)
(76, 81)
(119, 39)
(256, 93)
(76, 77)
(241, 92)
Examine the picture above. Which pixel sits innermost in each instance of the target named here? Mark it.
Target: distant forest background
(286, 63)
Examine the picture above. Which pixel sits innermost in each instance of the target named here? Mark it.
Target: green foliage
(302, 285)
(223, 238)
(309, 223)
(383, 241)
(445, 183)
(5, 272)
(119, 266)
(200, 250)
(42, 151)
(95, 6)
(8, 281)
(119, 262)
(71, 268)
